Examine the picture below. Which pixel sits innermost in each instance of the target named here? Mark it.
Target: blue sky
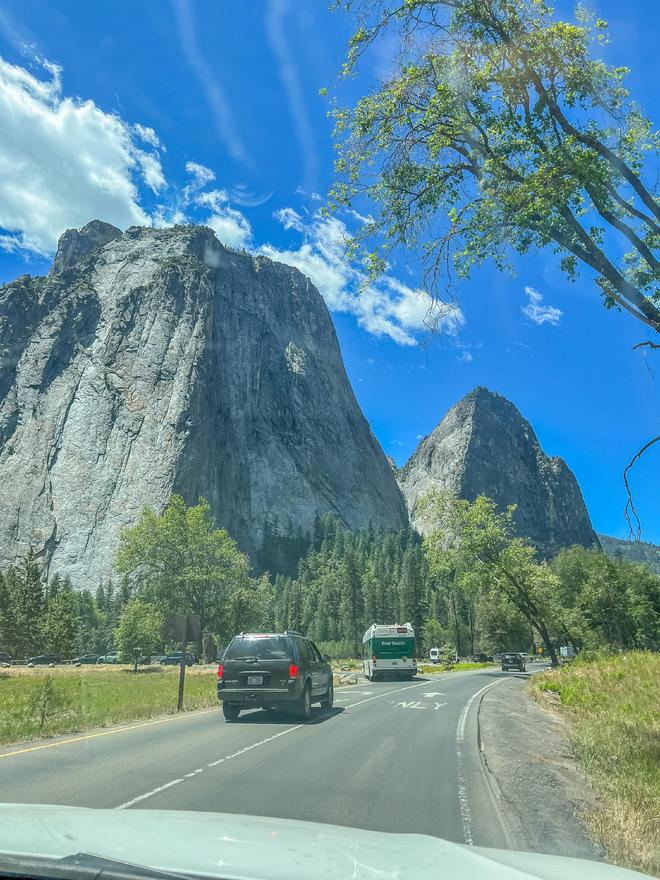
(157, 111)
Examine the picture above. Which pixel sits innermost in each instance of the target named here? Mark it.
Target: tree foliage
(139, 631)
(502, 128)
(182, 563)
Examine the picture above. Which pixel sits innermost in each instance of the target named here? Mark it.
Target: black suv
(513, 661)
(270, 670)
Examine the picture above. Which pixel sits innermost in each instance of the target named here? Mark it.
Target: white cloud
(148, 135)
(277, 11)
(64, 161)
(537, 312)
(289, 219)
(201, 175)
(205, 73)
(387, 308)
(465, 357)
(231, 227)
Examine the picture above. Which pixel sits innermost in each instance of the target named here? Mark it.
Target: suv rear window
(261, 647)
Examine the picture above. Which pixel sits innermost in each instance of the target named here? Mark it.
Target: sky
(166, 111)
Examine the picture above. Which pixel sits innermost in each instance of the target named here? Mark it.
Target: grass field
(45, 702)
(613, 711)
(459, 667)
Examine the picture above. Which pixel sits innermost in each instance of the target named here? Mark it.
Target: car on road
(273, 670)
(174, 659)
(43, 660)
(434, 655)
(109, 658)
(85, 659)
(513, 661)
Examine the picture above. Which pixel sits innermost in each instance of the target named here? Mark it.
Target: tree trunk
(545, 635)
(459, 653)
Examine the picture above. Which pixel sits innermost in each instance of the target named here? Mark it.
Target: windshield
(330, 435)
(259, 648)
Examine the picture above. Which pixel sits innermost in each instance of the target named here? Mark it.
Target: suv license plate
(255, 679)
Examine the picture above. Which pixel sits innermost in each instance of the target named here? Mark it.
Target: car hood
(259, 848)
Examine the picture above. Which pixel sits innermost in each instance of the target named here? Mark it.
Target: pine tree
(26, 603)
(59, 623)
(351, 598)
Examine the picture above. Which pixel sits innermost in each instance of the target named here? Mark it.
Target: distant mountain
(483, 446)
(633, 551)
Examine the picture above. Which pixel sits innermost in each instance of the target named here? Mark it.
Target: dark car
(480, 658)
(271, 670)
(43, 660)
(513, 661)
(85, 659)
(5, 657)
(174, 659)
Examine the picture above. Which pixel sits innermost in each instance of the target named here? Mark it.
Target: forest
(469, 585)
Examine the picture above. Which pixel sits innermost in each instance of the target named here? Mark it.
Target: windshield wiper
(81, 866)
(252, 659)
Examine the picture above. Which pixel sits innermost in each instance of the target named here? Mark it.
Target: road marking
(216, 763)
(143, 797)
(75, 739)
(466, 815)
(434, 694)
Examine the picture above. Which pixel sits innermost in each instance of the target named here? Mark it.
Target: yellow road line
(74, 739)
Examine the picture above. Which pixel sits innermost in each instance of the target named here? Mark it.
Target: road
(390, 756)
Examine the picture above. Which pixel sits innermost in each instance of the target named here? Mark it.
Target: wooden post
(182, 675)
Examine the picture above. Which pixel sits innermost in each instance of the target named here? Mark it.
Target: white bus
(389, 650)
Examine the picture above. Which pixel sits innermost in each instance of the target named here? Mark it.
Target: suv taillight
(293, 670)
(221, 669)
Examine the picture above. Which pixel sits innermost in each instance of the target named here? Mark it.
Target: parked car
(109, 658)
(434, 655)
(174, 659)
(480, 658)
(513, 661)
(5, 657)
(271, 670)
(43, 660)
(85, 659)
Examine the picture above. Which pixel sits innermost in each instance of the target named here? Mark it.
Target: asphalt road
(391, 756)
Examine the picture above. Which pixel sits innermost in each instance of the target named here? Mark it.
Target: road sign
(187, 628)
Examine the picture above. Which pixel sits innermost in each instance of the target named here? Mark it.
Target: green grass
(612, 706)
(40, 703)
(459, 667)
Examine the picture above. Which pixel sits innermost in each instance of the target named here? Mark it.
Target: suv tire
(328, 700)
(230, 711)
(305, 703)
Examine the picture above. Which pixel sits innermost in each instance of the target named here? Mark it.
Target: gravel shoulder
(535, 779)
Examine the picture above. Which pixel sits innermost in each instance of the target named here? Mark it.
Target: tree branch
(630, 506)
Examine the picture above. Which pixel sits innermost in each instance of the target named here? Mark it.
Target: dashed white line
(148, 794)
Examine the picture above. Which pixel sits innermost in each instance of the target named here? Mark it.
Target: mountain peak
(76, 244)
(484, 446)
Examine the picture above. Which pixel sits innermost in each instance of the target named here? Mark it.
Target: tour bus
(389, 650)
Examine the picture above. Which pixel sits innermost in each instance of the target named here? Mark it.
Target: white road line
(148, 794)
(466, 815)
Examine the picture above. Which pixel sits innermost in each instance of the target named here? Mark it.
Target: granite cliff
(483, 446)
(158, 361)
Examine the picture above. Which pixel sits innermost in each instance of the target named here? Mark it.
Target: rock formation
(158, 361)
(483, 446)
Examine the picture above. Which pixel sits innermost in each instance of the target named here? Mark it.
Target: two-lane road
(390, 756)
